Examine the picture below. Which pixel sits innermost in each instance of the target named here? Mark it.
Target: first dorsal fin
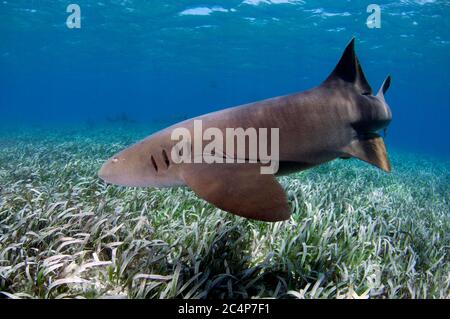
(349, 70)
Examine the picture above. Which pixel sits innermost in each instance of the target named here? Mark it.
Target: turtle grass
(355, 232)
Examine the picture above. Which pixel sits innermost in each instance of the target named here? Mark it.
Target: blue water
(168, 60)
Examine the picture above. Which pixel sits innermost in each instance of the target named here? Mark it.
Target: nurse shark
(339, 119)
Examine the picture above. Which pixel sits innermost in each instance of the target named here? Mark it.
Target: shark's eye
(365, 93)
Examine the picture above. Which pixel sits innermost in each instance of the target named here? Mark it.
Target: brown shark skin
(301, 117)
(315, 126)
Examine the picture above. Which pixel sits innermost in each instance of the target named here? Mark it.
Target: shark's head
(128, 168)
(370, 113)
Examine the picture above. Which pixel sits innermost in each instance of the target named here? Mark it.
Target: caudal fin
(371, 150)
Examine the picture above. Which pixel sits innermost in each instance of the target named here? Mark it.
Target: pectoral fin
(371, 150)
(239, 189)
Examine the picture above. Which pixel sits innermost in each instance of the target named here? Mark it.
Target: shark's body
(338, 119)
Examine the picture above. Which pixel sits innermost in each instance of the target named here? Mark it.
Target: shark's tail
(372, 150)
(370, 146)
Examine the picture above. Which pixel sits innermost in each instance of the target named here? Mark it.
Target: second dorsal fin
(384, 87)
(349, 70)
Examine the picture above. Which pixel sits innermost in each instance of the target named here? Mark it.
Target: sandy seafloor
(355, 231)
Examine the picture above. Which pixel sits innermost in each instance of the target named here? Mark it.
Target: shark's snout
(106, 172)
(102, 173)
(123, 171)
